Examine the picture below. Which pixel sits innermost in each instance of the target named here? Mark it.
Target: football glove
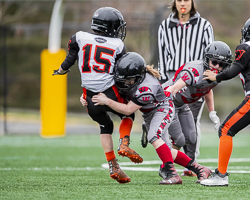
(215, 119)
(56, 72)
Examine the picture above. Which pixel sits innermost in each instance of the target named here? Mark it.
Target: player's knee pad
(179, 142)
(132, 116)
(192, 139)
(225, 131)
(107, 127)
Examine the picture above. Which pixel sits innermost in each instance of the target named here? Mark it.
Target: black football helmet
(109, 21)
(245, 32)
(131, 66)
(217, 51)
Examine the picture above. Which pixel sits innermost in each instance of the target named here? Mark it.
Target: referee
(183, 37)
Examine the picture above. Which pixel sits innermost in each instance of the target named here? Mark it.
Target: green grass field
(74, 167)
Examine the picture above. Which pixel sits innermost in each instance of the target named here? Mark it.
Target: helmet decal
(96, 14)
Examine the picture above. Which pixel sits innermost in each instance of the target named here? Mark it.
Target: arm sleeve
(231, 72)
(240, 63)
(72, 56)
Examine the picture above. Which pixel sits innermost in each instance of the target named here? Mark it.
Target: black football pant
(100, 113)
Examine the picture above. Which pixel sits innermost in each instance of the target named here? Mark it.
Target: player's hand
(83, 101)
(100, 99)
(215, 119)
(60, 71)
(209, 75)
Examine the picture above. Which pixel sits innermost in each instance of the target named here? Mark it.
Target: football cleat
(202, 172)
(124, 150)
(169, 175)
(116, 172)
(144, 139)
(217, 179)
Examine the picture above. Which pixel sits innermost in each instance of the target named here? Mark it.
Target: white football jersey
(96, 56)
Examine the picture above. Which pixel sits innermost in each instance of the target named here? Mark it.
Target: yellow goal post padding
(53, 101)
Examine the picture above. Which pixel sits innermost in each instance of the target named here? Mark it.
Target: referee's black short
(100, 113)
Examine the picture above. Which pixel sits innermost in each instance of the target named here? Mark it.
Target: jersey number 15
(103, 63)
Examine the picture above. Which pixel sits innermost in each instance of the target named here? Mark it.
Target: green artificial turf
(74, 167)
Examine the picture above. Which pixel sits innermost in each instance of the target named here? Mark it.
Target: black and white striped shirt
(181, 43)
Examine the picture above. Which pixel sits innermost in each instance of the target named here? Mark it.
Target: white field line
(209, 160)
(131, 166)
(54, 169)
(231, 169)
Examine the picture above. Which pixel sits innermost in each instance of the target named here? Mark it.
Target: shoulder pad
(144, 95)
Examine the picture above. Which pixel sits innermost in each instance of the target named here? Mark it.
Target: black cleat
(169, 175)
(144, 139)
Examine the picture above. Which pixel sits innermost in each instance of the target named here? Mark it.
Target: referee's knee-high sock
(125, 127)
(225, 151)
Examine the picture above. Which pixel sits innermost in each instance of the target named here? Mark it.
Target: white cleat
(217, 179)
